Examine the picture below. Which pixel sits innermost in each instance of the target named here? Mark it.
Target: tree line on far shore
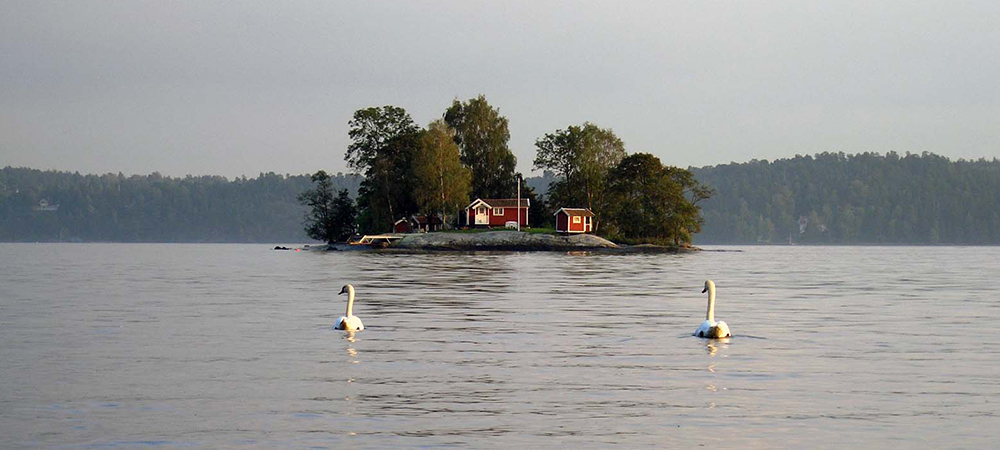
(464, 155)
(867, 198)
(53, 206)
(827, 198)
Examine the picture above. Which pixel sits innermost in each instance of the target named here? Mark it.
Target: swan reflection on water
(351, 352)
(713, 346)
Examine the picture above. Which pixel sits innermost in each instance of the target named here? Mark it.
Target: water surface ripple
(232, 346)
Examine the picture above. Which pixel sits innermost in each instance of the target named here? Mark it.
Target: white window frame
(497, 211)
(576, 219)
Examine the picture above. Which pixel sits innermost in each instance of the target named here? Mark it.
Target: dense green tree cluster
(411, 170)
(153, 208)
(331, 218)
(581, 157)
(635, 199)
(481, 133)
(385, 142)
(444, 182)
(651, 202)
(867, 198)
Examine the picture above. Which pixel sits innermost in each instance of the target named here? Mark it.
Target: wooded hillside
(853, 199)
(47, 206)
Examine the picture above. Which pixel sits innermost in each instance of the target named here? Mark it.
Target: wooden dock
(382, 240)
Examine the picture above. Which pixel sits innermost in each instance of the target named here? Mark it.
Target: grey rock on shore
(502, 240)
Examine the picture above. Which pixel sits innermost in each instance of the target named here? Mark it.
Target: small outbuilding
(418, 224)
(424, 224)
(402, 226)
(574, 220)
(496, 212)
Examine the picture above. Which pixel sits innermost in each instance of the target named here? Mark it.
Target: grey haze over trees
(331, 218)
(482, 135)
(154, 208)
(867, 198)
(580, 156)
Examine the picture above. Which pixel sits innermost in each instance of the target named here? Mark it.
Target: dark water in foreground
(231, 346)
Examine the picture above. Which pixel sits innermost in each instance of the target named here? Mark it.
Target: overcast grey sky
(231, 88)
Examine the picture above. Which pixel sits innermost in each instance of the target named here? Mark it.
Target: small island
(503, 240)
(493, 241)
(421, 181)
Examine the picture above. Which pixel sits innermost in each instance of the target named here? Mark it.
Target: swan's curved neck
(710, 315)
(350, 301)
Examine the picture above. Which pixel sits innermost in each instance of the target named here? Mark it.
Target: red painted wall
(509, 215)
(561, 220)
(564, 224)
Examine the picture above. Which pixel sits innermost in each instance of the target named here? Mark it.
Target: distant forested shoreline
(52, 206)
(828, 198)
(868, 198)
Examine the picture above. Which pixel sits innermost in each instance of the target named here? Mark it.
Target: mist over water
(232, 346)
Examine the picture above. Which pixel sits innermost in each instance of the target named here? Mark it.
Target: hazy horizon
(205, 89)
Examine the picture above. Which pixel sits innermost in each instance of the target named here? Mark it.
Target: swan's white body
(710, 328)
(349, 322)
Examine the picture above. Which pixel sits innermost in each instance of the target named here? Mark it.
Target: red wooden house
(496, 212)
(574, 220)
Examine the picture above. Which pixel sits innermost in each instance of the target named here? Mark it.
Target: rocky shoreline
(506, 241)
(503, 240)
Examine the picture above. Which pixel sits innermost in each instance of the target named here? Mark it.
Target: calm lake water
(232, 346)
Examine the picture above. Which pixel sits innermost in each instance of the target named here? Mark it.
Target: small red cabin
(402, 226)
(574, 220)
(496, 212)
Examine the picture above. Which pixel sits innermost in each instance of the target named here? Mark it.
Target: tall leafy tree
(384, 143)
(649, 201)
(442, 183)
(330, 218)
(481, 134)
(581, 156)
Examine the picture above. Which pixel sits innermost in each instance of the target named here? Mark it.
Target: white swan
(349, 322)
(710, 328)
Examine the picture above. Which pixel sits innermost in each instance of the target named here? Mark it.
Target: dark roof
(422, 220)
(576, 211)
(505, 202)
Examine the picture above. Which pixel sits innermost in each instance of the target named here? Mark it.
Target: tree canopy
(581, 157)
(481, 134)
(330, 218)
(442, 183)
(650, 203)
(384, 145)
